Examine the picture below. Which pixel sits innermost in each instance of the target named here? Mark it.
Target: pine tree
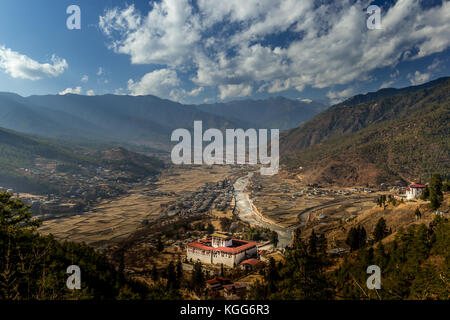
(362, 237)
(417, 213)
(172, 282)
(15, 215)
(425, 194)
(159, 245)
(356, 238)
(198, 279)
(274, 238)
(380, 230)
(272, 276)
(303, 274)
(179, 271)
(322, 244)
(381, 259)
(352, 239)
(436, 195)
(154, 274)
(312, 244)
(210, 228)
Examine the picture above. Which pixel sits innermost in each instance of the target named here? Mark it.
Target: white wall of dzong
(218, 257)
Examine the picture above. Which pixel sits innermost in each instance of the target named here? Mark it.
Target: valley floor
(130, 225)
(115, 219)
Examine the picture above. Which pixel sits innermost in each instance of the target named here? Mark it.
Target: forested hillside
(395, 139)
(33, 267)
(19, 153)
(415, 266)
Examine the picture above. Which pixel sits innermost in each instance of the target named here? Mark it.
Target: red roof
(417, 185)
(239, 285)
(223, 280)
(202, 245)
(218, 281)
(252, 262)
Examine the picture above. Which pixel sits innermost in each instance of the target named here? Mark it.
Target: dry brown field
(113, 220)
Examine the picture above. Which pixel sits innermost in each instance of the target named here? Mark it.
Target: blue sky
(206, 51)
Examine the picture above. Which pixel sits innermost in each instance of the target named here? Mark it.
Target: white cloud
(387, 84)
(234, 90)
(100, 71)
(85, 78)
(119, 91)
(159, 82)
(180, 95)
(76, 90)
(164, 36)
(90, 93)
(18, 65)
(435, 65)
(194, 92)
(339, 96)
(418, 78)
(223, 43)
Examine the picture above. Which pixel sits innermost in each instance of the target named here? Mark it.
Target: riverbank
(247, 212)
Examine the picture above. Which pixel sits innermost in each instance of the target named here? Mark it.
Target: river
(247, 213)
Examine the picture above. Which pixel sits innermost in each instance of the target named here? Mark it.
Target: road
(302, 215)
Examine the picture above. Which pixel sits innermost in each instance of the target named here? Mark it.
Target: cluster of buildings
(211, 196)
(413, 191)
(75, 187)
(220, 286)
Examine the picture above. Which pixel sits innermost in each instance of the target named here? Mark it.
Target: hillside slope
(394, 139)
(361, 111)
(20, 152)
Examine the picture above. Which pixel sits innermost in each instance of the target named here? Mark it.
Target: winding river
(247, 212)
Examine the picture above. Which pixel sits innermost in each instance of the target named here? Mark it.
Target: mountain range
(141, 120)
(388, 136)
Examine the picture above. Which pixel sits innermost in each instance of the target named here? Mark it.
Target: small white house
(414, 190)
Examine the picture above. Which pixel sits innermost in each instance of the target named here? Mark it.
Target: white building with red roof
(221, 248)
(414, 190)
